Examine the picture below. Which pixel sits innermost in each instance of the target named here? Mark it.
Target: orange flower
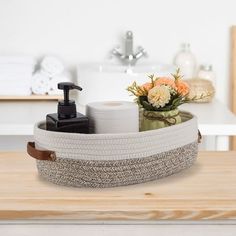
(182, 88)
(165, 81)
(147, 86)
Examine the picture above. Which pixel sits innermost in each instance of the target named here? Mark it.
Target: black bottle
(67, 119)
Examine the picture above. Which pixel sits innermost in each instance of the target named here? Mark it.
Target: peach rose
(165, 81)
(147, 86)
(182, 88)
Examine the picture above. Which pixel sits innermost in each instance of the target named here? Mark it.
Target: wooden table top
(205, 191)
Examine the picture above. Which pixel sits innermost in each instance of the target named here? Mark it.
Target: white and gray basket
(110, 160)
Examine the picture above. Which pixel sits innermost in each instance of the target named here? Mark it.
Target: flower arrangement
(161, 93)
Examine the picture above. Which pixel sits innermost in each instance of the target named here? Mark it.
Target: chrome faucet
(129, 57)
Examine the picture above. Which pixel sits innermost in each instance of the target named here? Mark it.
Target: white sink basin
(107, 82)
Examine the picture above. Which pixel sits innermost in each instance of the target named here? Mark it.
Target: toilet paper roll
(113, 117)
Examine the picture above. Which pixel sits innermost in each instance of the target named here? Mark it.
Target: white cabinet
(17, 121)
(122, 229)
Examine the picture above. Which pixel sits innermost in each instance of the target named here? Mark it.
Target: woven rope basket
(110, 160)
(200, 87)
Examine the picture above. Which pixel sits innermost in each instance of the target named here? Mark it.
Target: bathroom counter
(214, 118)
(207, 191)
(215, 121)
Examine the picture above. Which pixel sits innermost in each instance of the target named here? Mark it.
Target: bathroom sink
(103, 82)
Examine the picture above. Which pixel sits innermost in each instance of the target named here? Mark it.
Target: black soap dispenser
(67, 119)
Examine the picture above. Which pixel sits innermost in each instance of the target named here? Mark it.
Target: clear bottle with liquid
(186, 61)
(206, 72)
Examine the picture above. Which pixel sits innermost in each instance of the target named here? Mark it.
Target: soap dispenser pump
(67, 119)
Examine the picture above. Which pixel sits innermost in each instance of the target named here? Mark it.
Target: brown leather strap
(199, 137)
(40, 154)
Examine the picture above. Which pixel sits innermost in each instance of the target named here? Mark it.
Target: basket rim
(192, 118)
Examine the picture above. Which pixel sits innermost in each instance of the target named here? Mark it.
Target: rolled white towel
(53, 81)
(39, 83)
(52, 65)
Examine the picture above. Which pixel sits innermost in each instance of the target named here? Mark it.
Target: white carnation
(159, 96)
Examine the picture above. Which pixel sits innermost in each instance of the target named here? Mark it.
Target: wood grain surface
(31, 98)
(205, 191)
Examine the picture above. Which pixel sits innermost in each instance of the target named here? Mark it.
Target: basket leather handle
(43, 155)
(199, 137)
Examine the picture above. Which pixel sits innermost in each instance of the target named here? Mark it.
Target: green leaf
(176, 101)
(143, 98)
(147, 106)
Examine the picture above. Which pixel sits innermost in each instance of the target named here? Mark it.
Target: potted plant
(159, 100)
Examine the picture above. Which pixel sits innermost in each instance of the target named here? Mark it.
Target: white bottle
(185, 60)
(206, 72)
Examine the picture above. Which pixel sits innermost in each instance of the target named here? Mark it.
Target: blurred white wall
(85, 30)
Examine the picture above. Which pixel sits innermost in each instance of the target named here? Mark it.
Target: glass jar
(206, 72)
(186, 62)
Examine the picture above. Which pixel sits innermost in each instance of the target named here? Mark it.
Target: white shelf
(16, 129)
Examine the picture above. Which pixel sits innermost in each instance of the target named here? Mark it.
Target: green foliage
(173, 103)
(177, 76)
